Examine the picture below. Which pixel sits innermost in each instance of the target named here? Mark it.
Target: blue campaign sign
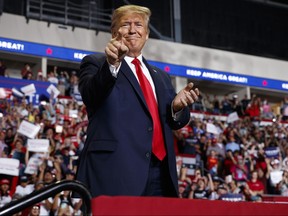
(219, 76)
(42, 50)
(272, 152)
(50, 51)
(17, 84)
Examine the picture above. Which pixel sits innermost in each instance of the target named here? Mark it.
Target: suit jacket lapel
(127, 72)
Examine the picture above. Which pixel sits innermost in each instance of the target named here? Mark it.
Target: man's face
(4, 187)
(133, 31)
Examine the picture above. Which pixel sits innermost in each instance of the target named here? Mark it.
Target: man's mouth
(131, 38)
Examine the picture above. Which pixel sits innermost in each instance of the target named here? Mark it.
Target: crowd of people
(65, 133)
(244, 160)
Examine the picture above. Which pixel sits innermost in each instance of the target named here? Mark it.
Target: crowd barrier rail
(46, 192)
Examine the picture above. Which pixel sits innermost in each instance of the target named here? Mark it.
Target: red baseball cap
(4, 181)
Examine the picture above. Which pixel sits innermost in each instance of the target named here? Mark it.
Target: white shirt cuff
(114, 71)
(176, 115)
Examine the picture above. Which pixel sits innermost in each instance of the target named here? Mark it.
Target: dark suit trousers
(159, 181)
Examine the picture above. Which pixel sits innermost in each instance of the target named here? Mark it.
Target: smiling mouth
(131, 38)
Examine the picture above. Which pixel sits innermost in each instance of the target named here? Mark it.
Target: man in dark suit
(118, 158)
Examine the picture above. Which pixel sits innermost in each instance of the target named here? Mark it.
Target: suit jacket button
(147, 154)
(150, 129)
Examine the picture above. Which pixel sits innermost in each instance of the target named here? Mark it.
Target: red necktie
(158, 147)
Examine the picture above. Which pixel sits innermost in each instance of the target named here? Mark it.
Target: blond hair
(123, 10)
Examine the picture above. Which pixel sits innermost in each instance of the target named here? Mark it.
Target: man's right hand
(116, 50)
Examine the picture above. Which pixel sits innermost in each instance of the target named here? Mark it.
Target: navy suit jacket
(116, 155)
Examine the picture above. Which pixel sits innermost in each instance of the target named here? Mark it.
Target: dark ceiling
(246, 26)
(255, 27)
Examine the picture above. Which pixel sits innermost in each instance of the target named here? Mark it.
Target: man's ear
(113, 34)
(147, 35)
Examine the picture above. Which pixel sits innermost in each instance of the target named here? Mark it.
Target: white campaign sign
(53, 90)
(9, 166)
(28, 129)
(73, 113)
(211, 128)
(38, 145)
(232, 117)
(33, 165)
(2, 93)
(190, 163)
(29, 89)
